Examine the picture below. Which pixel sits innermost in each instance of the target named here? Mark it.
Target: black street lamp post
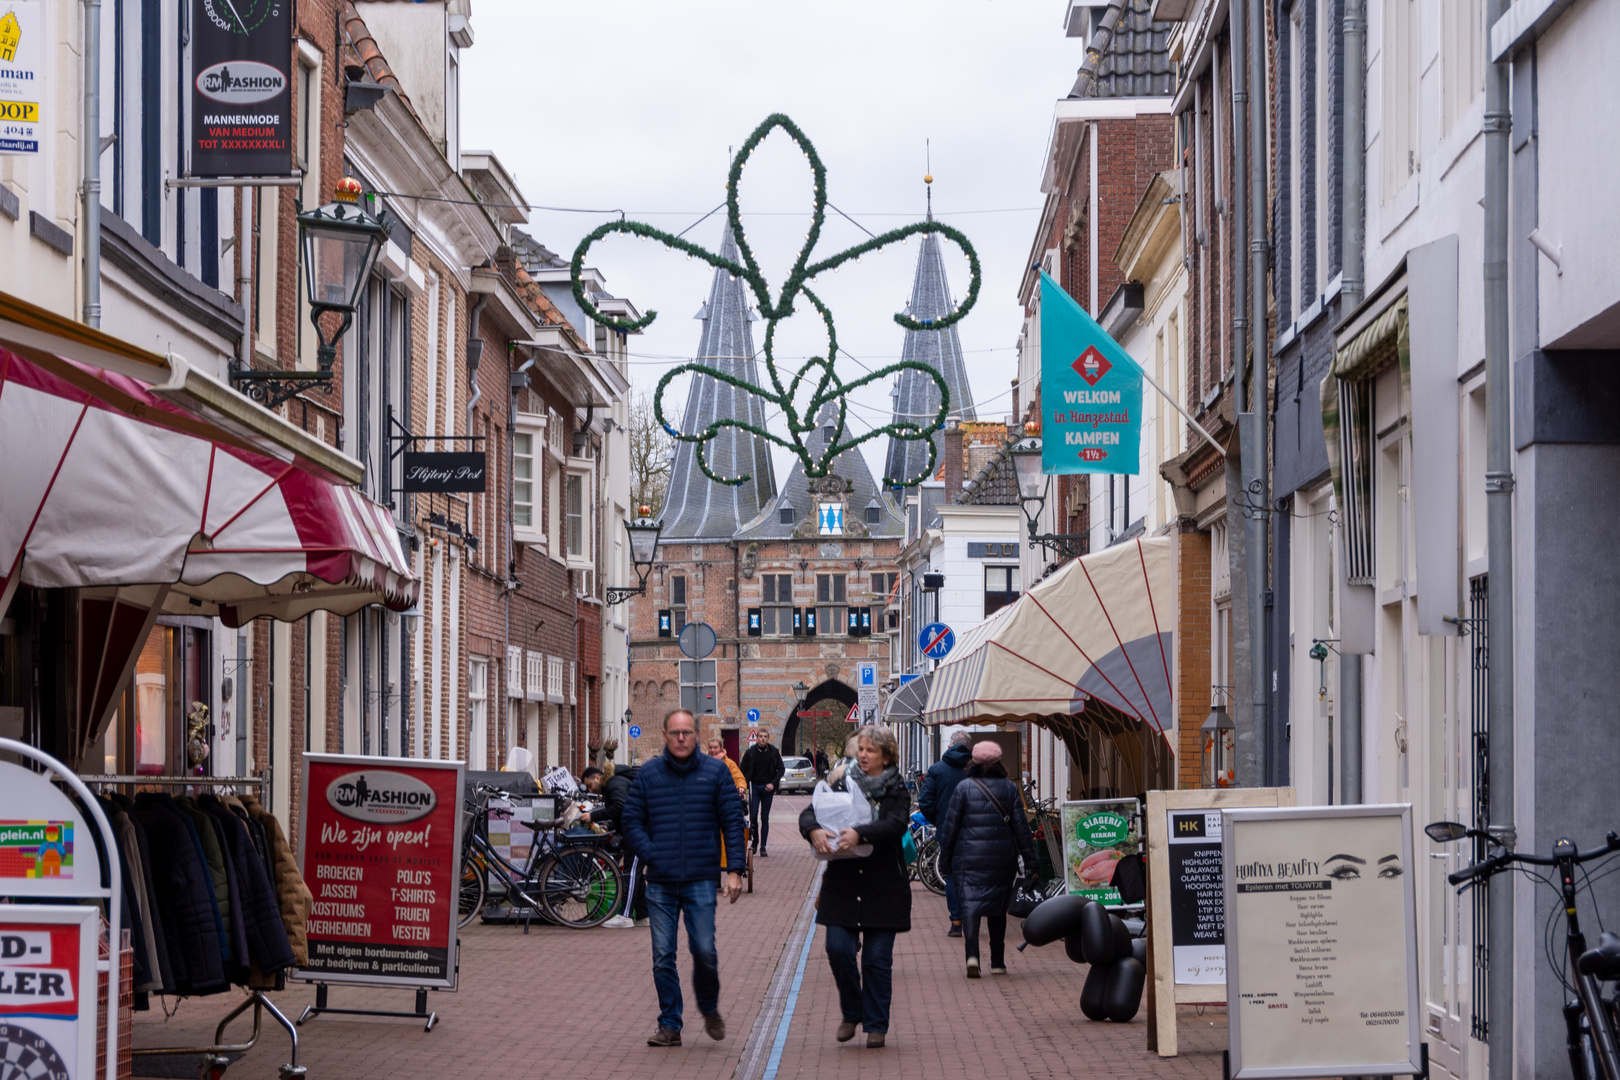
(644, 533)
(1033, 488)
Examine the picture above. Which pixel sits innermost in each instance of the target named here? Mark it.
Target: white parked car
(799, 774)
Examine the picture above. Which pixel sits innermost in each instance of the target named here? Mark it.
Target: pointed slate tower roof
(696, 507)
(915, 396)
(855, 488)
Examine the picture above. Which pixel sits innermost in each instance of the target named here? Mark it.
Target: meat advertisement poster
(1097, 833)
(1321, 941)
(48, 992)
(379, 849)
(241, 88)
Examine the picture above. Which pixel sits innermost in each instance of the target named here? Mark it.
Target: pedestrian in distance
(762, 767)
(821, 763)
(835, 775)
(983, 835)
(716, 749)
(934, 795)
(681, 807)
(866, 901)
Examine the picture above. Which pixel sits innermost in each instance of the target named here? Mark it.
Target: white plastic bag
(840, 810)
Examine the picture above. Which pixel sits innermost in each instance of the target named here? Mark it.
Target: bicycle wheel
(928, 868)
(580, 887)
(474, 886)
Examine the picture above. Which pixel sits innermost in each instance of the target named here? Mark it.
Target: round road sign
(936, 640)
(697, 640)
(635, 731)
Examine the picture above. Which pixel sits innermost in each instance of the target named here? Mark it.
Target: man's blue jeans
(864, 989)
(665, 902)
(952, 904)
(760, 823)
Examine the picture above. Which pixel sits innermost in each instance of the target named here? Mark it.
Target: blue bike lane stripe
(782, 1025)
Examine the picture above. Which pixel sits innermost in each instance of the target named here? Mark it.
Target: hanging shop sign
(241, 94)
(22, 76)
(1091, 392)
(1187, 901)
(1097, 833)
(1321, 941)
(444, 472)
(380, 848)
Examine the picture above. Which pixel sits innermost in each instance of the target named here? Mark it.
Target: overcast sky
(635, 106)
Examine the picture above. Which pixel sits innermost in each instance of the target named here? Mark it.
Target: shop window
(777, 613)
(171, 735)
(831, 614)
(1000, 588)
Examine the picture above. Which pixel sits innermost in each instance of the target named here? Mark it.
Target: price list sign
(1197, 906)
(379, 849)
(1321, 942)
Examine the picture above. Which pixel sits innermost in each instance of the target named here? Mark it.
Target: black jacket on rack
(254, 900)
(183, 887)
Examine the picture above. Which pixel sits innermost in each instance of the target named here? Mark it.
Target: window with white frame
(1400, 121)
(1000, 588)
(528, 457)
(1462, 48)
(477, 713)
(577, 517)
(554, 679)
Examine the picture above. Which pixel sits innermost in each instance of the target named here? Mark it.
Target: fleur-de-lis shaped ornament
(817, 372)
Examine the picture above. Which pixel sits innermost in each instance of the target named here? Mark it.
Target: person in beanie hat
(983, 835)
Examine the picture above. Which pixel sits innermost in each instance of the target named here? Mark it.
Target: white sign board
(48, 1008)
(22, 76)
(1321, 941)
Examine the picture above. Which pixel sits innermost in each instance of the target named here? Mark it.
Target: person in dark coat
(762, 767)
(822, 764)
(866, 898)
(681, 805)
(934, 795)
(983, 835)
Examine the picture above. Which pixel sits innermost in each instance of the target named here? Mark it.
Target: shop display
(1097, 833)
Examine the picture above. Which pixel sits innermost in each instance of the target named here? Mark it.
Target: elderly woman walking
(866, 900)
(980, 841)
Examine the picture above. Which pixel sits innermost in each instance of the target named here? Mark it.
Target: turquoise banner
(1091, 392)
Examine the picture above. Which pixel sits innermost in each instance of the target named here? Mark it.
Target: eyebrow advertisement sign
(379, 848)
(1321, 941)
(1091, 392)
(241, 89)
(23, 93)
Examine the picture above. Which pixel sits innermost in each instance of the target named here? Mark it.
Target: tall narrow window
(677, 602)
(1400, 62)
(831, 613)
(777, 613)
(523, 479)
(576, 515)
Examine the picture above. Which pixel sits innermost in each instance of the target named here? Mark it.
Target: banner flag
(1091, 392)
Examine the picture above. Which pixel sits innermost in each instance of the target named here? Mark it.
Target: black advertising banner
(1197, 903)
(447, 471)
(380, 849)
(241, 91)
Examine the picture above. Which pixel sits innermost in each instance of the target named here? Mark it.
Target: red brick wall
(1192, 554)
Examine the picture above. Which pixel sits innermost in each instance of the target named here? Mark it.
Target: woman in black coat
(866, 897)
(980, 840)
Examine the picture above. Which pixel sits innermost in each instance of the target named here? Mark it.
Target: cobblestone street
(560, 995)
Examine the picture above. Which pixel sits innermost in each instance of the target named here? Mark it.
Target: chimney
(953, 458)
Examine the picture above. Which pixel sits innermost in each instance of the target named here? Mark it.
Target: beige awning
(1099, 630)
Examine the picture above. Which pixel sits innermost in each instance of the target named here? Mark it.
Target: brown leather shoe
(875, 1039)
(664, 1037)
(846, 1030)
(714, 1026)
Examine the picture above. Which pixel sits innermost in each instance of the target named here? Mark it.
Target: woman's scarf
(873, 787)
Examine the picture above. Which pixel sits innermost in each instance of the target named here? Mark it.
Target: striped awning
(106, 484)
(1099, 630)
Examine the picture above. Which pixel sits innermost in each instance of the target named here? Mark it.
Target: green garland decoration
(818, 370)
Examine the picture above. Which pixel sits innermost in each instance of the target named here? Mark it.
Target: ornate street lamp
(644, 533)
(1033, 488)
(339, 243)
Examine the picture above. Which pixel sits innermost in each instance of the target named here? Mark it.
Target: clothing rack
(216, 1058)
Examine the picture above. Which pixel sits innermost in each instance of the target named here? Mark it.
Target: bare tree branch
(652, 452)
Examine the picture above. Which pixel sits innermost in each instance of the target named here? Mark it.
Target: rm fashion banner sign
(241, 88)
(1091, 392)
(450, 471)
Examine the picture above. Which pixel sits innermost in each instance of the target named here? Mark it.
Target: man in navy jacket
(680, 806)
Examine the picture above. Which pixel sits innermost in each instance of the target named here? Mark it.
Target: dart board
(26, 1055)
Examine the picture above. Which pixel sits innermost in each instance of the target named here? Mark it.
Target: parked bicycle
(568, 880)
(1590, 1018)
(926, 868)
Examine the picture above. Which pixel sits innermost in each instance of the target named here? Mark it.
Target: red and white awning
(104, 483)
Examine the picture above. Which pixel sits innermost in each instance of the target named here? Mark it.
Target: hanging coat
(262, 928)
(185, 897)
(292, 895)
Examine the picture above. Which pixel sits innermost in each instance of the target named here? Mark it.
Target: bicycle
(926, 868)
(569, 881)
(1590, 1018)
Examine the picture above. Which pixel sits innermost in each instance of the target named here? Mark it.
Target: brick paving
(559, 996)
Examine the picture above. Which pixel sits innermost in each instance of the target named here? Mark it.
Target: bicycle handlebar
(1489, 866)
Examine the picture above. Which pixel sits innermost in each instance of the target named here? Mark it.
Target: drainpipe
(1274, 763)
(1499, 551)
(91, 143)
(1353, 152)
(1239, 36)
(507, 572)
